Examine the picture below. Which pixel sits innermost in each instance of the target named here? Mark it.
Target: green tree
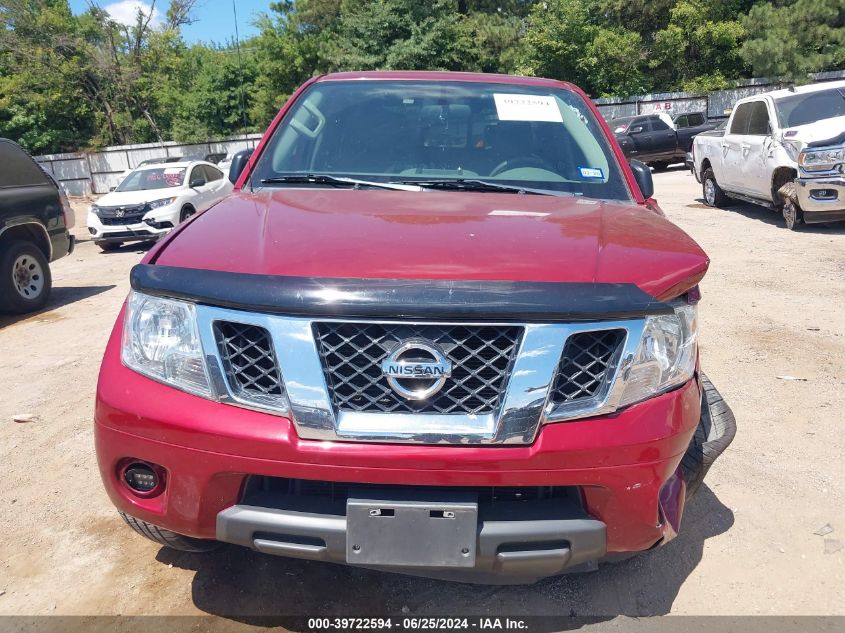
(697, 50)
(399, 34)
(565, 40)
(796, 38)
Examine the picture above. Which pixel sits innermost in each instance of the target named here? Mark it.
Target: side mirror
(642, 174)
(197, 182)
(112, 189)
(635, 130)
(239, 161)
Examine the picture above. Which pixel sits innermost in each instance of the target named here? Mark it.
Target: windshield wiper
(462, 184)
(335, 181)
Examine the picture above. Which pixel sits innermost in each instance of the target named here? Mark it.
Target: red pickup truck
(440, 327)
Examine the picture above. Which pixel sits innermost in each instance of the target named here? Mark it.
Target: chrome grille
(587, 365)
(129, 219)
(130, 214)
(249, 361)
(352, 354)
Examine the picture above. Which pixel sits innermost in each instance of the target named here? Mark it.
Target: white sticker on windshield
(507, 213)
(527, 108)
(172, 171)
(591, 172)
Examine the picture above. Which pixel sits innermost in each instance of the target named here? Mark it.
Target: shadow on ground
(258, 589)
(770, 216)
(59, 297)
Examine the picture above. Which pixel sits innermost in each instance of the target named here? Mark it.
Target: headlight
(157, 204)
(666, 355)
(821, 160)
(95, 209)
(161, 341)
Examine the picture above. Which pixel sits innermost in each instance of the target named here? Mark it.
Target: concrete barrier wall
(85, 174)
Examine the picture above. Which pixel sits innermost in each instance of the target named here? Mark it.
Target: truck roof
(789, 92)
(443, 75)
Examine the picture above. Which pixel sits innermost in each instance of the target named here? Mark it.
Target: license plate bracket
(422, 532)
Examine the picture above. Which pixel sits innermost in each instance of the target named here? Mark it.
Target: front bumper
(624, 466)
(507, 545)
(136, 231)
(821, 199)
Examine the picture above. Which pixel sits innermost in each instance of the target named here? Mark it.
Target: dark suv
(35, 216)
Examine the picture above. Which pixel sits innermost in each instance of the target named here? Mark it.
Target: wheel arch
(780, 177)
(30, 232)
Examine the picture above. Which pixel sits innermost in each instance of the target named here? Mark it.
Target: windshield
(159, 178)
(540, 138)
(802, 109)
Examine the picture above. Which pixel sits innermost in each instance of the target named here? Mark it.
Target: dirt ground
(773, 307)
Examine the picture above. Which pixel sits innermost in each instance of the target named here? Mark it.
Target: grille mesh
(352, 354)
(131, 214)
(586, 365)
(249, 361)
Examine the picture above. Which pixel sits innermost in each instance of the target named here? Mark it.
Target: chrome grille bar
(526, 394)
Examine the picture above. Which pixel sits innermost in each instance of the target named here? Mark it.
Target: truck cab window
(758, 122)
(19, 170)
(658, 125)
(739, 124)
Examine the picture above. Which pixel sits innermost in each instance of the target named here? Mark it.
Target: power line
(240, 69)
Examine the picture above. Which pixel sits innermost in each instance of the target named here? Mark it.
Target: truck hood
(438, 235)
(817, 131)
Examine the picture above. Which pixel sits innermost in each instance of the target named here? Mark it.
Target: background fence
(90, 173)
(96, 172)
(717, 105)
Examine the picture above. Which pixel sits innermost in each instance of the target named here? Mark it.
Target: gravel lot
(774, 307)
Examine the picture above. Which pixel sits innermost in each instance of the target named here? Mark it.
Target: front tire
(793, 216)
(716, 430)
(168, 538)
(25, 280)
(712, 192)
(186, 213)
(108, 247)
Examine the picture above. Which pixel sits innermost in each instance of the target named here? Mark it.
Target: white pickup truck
(784, 150)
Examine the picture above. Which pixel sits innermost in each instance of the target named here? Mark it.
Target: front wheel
(168, 538)
(713, 194)
(715, 432)
(186, 213)
(792, 214)
(107, 247)
(25, 280)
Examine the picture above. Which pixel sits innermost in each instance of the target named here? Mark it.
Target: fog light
(823, 194)
(142, 478)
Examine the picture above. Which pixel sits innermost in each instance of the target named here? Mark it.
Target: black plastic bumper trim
(399, 298)
(507, 550)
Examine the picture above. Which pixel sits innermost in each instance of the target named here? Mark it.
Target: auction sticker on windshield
(512, 107)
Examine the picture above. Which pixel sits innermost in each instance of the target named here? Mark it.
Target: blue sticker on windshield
(591, 172)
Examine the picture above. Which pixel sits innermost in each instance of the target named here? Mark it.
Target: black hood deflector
(488, 301)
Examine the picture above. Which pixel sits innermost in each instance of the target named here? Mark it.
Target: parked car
(153, 199)
(658, 140)
(448, 334)
(784, 150)
(35, 218)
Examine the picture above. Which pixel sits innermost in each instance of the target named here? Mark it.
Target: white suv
(153, 199)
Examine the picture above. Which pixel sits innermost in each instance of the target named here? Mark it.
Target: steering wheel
(522, 161)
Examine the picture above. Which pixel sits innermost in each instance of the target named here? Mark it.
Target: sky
(214, 18)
